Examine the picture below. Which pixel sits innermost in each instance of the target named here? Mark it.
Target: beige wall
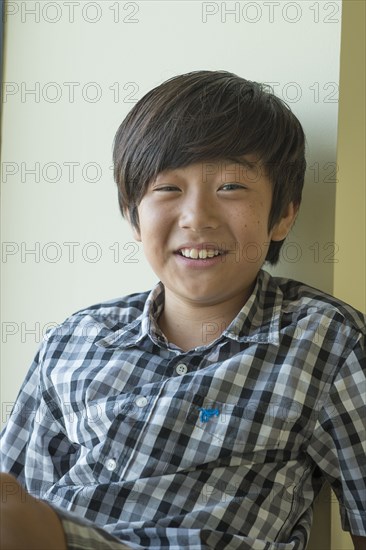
(350, 230)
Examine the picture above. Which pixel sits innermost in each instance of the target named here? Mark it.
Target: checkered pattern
(108, 425)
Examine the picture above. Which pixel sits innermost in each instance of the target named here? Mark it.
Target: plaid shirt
(223, 446)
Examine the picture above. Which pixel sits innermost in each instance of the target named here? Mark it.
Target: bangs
(220, 119)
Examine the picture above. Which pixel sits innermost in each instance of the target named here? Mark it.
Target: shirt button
(181, 369)
(141, 401)
(111, 464)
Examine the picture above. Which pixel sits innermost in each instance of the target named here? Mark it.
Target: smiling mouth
(200, 253)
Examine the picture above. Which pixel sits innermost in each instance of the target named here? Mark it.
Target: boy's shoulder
(101, 318)
(122, 309)
(300, 299)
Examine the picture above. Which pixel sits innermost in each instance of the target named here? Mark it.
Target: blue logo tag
(206, 414)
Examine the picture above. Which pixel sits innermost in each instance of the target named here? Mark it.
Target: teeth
(202, 254)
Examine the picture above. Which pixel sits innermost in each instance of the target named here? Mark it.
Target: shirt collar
(144, 326)
(258, 320)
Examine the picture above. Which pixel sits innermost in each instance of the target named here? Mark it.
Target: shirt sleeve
(37, 468)
(34, 445)
(21, 423)
(338, 444)
(81, 534)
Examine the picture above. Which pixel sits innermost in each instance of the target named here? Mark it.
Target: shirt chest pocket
(156, 435)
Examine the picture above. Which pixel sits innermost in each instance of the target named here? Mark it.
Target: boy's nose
(199, 213)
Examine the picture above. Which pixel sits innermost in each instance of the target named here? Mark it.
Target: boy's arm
(338, 442)
(30, 523)
(37, 469)
(27, 522)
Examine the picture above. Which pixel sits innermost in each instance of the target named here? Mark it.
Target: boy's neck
(190, 325)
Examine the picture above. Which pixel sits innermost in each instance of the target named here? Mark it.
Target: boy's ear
(281, 229)
(136, 233)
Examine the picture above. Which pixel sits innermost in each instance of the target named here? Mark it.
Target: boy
(208, 412)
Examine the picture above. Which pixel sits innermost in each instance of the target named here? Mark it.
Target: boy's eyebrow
(241, 161)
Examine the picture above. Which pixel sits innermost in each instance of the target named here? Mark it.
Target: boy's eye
(231, 186)
(167, 188)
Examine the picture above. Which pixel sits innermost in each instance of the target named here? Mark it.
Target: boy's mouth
(201, 253)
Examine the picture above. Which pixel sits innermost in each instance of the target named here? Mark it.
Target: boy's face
(202, 209)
